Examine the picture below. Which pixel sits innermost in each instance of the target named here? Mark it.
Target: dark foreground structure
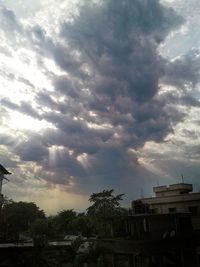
(163, 240)
(163, 231)
(150, 240)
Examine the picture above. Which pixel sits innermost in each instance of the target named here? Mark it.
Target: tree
(61, 221)
(17, 217)
(40, 227)
(104, 202)
(40, 232)
(84, 224)
(71, 252)
(104, 205)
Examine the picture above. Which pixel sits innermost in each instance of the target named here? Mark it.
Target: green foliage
(86, 225)
(60, 222)
(71, 251)
(104, 203)
(40, 227)
(25, 218)
(66, 215)
(17, 217)
(106, 207)
(7, 200)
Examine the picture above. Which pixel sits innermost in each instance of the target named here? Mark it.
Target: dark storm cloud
(190, 101)
(119, 40)
(66, 86)
(183, 71)
(31, 150)
(37, 34)
(64, 163)
(117, 71)
(6, 74)
(75, 135)
(7, 161)
(7, 140)
(65, 59)
(24, 108)
(106, 101)
(123, 164)
(184, 99)
(68, 105)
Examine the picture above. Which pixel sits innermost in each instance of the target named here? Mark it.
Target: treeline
(20, 221)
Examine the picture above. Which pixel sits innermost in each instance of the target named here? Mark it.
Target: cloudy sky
(96, 95)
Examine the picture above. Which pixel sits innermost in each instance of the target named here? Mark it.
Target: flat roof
(173, 187)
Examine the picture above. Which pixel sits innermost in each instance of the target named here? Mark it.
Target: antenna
(142, 193)
(182, 178)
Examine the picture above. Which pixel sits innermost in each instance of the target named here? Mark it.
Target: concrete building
(175, 198)
(161, 240)
(172, 215)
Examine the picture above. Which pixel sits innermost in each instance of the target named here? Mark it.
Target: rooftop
(181, 187)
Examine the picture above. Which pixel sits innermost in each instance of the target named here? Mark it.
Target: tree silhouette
(104, 205)
(17, 217)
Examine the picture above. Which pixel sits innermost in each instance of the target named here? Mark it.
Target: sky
(98, 94)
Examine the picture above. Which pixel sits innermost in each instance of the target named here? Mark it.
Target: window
(193, 210)
(153, 211)
(146, 225)
(172, 210)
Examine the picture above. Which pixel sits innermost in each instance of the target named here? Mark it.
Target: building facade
(175, 198)
(171, 217)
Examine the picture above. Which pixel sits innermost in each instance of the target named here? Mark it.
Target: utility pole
(182, 178)
(3, 172)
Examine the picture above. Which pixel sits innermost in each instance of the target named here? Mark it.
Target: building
(161, 240)
(172, 219)
(175, 198)
(158, 226)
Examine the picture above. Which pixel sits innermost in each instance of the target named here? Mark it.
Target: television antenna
(182, 178)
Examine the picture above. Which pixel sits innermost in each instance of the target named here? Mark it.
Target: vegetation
(106, 207)
(16, 218)
(20, 220)
(26, 222)
(104, 203)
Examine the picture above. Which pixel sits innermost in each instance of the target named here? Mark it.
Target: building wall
(176, 198)
(181, 206)
(172, 190)
(173, 196)
(158, 226)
